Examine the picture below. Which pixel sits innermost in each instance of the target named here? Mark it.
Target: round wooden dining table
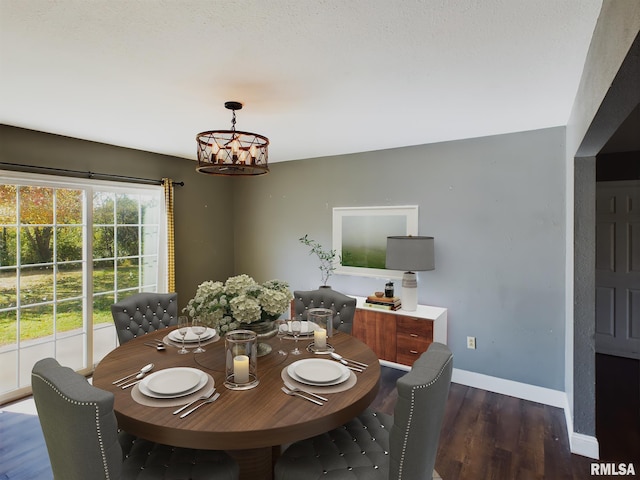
(250, 425)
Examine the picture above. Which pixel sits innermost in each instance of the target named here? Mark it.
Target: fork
(293, 388)
(297, 394)
(211, 400)
(204, 396)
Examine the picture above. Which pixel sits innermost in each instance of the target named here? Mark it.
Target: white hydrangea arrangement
(225, 306)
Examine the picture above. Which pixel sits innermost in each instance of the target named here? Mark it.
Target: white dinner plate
(316, 371)
(191, 337)
(173, 382)
(307, 328)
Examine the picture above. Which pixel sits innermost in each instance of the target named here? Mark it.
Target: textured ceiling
(317, 77)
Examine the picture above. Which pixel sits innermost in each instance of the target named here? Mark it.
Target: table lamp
(410, 254)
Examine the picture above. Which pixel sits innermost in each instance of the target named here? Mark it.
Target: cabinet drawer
(415, 327)
(410, 348)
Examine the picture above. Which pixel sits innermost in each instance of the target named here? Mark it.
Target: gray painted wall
(203, 232)
(608, 92)
(495, 206)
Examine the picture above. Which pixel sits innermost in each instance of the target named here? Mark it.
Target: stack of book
(384, 303)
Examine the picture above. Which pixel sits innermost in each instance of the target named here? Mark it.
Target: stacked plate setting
(173, 382)
(307, 328)
(318, 372)
(190, 337)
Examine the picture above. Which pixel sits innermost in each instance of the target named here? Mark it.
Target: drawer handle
(413, 352)
(413, 335)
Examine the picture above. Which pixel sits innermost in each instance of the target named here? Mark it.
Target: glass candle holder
(241, 354)
(323, 317)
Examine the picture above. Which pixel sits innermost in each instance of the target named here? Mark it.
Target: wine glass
(183, 328)
(282, 330)
(198, 328)
(296, 328)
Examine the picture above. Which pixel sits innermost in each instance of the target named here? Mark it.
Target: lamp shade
(410, 253)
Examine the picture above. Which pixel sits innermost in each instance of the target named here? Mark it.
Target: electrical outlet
(471, 343)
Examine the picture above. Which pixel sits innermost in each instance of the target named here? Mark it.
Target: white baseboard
(580, 444)
(584, 445)
(555, 398)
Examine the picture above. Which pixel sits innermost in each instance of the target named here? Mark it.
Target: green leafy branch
(327, 257)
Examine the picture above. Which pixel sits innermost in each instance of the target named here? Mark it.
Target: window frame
(89, 186)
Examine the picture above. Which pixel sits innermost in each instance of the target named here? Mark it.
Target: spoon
(143, 370)
(158, 347)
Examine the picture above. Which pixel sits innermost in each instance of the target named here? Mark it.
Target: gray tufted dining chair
(376, 446)
(81, 433)
(142, 313)
(344, 307)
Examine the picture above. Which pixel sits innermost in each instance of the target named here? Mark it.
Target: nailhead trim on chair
(411, 412)
(84, 404)
(333, 306)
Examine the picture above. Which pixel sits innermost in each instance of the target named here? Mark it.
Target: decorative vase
(264, 330)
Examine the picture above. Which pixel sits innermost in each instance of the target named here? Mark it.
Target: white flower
(240, 300)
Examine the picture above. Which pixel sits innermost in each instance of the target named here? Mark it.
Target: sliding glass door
(69, 249)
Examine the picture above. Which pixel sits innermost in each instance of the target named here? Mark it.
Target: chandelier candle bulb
(320, 338)
(241, 369)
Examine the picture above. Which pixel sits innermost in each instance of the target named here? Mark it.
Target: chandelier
(231, 152)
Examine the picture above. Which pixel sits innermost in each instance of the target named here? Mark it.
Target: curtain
(167, 183)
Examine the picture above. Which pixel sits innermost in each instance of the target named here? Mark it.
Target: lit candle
(320, 338)
(241, 369)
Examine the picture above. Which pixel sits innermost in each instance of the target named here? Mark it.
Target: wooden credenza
(399, 336)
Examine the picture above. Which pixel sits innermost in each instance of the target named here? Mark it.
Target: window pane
(127, 210)
(69, 206)
(69, 316)
(68, 243)
(103, 203)
(69, 280)
(127, 241)
(36, 322)
(8, 204)
(36, 245)
(149, 244)
(103, 238)
(149, 271)
(128, 273)
(103, 276)
(36, 285)
(8, 328)
(150, 206)
(36, 205)
(8, 288)
(102, 309)
(8, 246)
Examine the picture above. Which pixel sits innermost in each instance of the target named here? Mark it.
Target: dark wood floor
(484, 435)
(490, 436)
(618, 409)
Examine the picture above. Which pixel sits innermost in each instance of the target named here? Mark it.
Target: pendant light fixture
(232, 152)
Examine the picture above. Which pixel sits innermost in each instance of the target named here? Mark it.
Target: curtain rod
(77, 173)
